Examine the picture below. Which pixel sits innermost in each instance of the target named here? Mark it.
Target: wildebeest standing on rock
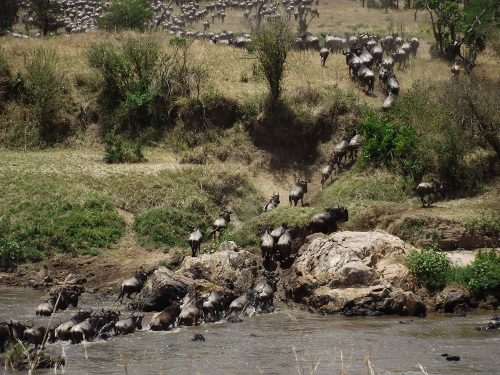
(428, 188)
(195, 239)
(267, 245)
(297, 192)
(221, 223)
(132, 285)
(326, 221)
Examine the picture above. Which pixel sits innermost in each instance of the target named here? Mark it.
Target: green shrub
(127, 15)
(141, 84)
(11, 254)
(390, 144)
(43, 84)
(482, 275)
(430, 266)
(118, 150)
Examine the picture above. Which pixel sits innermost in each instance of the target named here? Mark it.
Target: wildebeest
(340, 151)
(5, 334)
(388, 63)
(354, 144)
(414, 43)
(310, 42)
(455, 70)
(297, 192)
(266, 291)
(323, 53)
(390, 81)
(166, 318)
(212, 307)
(284, 246)
(221, 223)
(267, 245)
(352, 61)
(428, 188)
(132, 285)
(62, 332)
(194, 240)
(191, 312)
(240, 304)
(399, 57)
(326, 221)
(273, 202)
(11, 331)
(129, 325)
(39, 336)
(278, 231)
(327, 172)
(388, 101)
(366, 78)
(46, 308)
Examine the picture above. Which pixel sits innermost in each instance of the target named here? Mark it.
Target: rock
(354, 273)
(449, 299)
(230, 269)
(163, 287)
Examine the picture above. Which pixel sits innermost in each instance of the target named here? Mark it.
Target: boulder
(354, 273)
(229, 269)
(163, 286)
(448, 300)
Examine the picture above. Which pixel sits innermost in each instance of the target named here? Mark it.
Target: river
(284, 342)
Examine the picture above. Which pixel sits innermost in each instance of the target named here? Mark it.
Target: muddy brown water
(284, 342)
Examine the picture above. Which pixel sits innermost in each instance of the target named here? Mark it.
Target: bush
(141, 84)
(482, 276)
(11, 254)
(43, 93)
(118, 150)
(128, 15)
(8, 13)
(430, 266)
(390, 144)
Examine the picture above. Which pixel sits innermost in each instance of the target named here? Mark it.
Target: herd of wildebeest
(362, 52)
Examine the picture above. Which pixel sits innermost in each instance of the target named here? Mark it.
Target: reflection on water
(285, 342)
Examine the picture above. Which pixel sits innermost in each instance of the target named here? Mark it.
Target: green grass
(48, 213)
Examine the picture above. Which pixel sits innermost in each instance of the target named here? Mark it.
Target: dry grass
(225, 66)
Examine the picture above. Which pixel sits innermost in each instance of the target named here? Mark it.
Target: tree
(458, 31)
(128, 15)
(8, 13)
(272, 43)
(46, 15)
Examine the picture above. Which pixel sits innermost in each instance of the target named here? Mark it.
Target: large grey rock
(357, 273)
(449, 299)
(229, 269)
(162, 287)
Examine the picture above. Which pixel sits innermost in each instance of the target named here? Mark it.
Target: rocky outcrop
(163, 286)
(449, 299)
(354, 273)
(227, 268)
